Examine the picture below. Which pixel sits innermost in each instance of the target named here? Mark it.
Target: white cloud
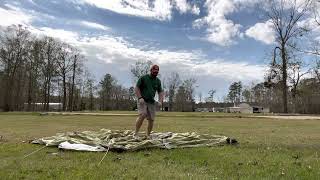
(230, 71)
(67, 36)
(119, 53)
(223, 31)
(94, 25)
(183, 7)
(159, 9)
(262, 32)
(220, 30)
(115, 54)
(14, 16)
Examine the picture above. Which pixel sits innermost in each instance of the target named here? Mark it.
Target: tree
(316, 11)
(48, 67)
(189, 85)
(107, 85)
(316, 70)
(211, 94)
(88, 91)
(77, 60)
(173, 83)
(285, 16)
(64, 68)
(309, 96)
(294, 79)
(13, 50)
(33, 64)
(139, 69)
(247, 95)
(181, 99)
(184, 98)
(235, 90)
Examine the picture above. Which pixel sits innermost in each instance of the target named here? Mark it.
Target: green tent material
(123, 140)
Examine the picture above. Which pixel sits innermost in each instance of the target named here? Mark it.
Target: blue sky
(215, 41)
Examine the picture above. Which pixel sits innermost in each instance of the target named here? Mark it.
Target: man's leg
(151, 111)
(142, 110)
(150, 127)
(139, 122)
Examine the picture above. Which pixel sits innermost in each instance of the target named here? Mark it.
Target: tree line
(38, 71)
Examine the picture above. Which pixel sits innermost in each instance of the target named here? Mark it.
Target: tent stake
(34, 152)
(104, 156)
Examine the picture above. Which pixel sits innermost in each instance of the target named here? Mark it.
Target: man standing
(145, 90)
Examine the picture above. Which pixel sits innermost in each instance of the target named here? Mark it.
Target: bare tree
(48, 68)
(189, 85)
(173, 83)
(139, 69)
(64, 68)
(294, 79)
(88, 90)
(211, 94)
(247, 94)
(77, 63)
(285, 16)
(33, 71)
(181, 99)
(316, 70)
(13, 50)
(316, 11)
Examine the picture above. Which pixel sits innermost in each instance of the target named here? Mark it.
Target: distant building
(246, 108)
(39, 106)
(204, 110)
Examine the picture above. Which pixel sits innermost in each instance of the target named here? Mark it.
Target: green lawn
(268, 149)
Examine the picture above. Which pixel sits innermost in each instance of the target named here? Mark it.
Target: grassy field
(268, 148)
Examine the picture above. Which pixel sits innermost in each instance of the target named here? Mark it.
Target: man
(145, 91)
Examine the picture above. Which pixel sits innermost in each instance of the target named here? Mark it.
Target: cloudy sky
(216, 42)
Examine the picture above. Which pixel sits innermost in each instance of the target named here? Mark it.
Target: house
(246, 108)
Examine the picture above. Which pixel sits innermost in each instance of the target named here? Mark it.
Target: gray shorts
(147, 109)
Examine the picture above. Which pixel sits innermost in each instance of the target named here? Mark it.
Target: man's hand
(141, 100)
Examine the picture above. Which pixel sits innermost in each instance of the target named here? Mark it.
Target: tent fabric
(123, 140)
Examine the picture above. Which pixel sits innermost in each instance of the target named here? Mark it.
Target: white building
(246, 108)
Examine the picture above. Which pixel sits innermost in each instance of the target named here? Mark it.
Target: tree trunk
(7, 98)
(29, 91)
(72, 86)
(284, 79)
(64, 93)
(48, 94)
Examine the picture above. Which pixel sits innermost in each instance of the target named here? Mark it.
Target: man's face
(154, 71)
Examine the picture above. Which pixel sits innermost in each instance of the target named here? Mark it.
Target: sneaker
(152, 137)
(135, 136)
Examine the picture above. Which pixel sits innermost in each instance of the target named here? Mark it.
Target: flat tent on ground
(123, 140)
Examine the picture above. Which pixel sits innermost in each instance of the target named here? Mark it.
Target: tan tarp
(123, 140)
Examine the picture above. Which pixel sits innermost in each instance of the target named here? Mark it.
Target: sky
(217, 42)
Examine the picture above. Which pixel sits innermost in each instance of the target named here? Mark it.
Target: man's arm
(138, 92)
(161, 97)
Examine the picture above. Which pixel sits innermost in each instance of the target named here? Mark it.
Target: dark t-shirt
(148, 86)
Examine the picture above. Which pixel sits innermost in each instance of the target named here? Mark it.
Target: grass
(268, 149)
